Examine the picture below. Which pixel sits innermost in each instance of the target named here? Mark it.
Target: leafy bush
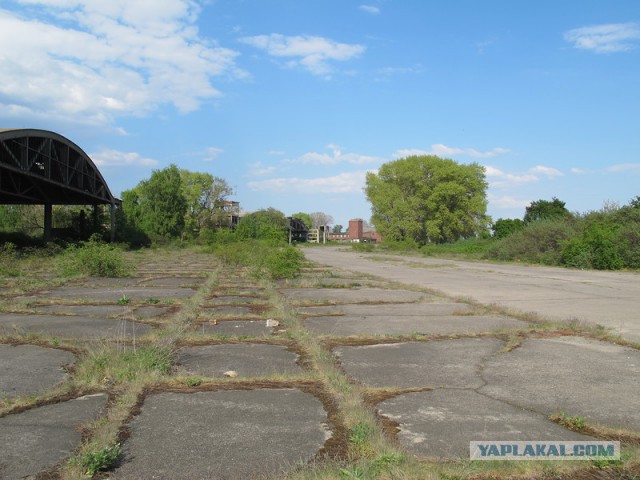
(540, 242)
(595, 248)
(266, 258)
(628, 244)
(503, 227)
(8, 257)
(94, 258)
(282, 262)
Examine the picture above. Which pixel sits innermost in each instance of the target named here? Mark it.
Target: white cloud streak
(98, 60)
(624, 167)
(114, 158)
(445, 151)
(347, 182)
(258, 169)
(370, 9)
(607, 38)
(211, 153)
(507, 202)
(501, 180)
(312, 53)
(335, 157)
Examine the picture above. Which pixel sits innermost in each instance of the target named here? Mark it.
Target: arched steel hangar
(39, 167)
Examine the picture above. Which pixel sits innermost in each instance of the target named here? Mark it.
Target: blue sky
(292, 102)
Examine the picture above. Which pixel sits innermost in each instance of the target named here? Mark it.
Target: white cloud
(312, 53)
(370, 9)
(607, 38)
(388, 71)
(258, 169)
(445, 151)
(580, 171)
(624, 167)
(347, 182)
(211, 153)
(114, 158)
(98, 60)
(505, 201)
(547, 171)
(335, 157)
(500, 179)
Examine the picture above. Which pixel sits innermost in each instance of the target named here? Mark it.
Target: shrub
(540, 242)
(94, 258)
(283, 262)
(595, 248)
(8, 257)
(628, 244)
(503, 227)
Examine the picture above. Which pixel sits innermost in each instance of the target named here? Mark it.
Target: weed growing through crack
(124, 300)
(572, 422)
(98, 461)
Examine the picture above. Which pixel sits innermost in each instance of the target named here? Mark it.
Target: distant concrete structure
(232, 212)
(357, 233)
(318, 235)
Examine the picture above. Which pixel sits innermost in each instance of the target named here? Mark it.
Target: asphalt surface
(611, 299)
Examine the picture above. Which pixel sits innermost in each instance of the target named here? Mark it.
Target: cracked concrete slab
(353, 295)
(441, 423)
(43, 437)
(151, 311)
(31, 370)
(114, 294)
(438, 363)
(227, 310)
(223, 434)
(579, 376)
(389, 309)
(104, 311)
(248, 359)
(227, 299)
(71, 326)
(237, 328)
(174, 282)
(408, 325)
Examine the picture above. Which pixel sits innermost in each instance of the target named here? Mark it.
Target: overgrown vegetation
(94, 258)
(607, 239)
(98, 461)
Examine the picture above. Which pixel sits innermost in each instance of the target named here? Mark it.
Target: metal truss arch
(40, 167)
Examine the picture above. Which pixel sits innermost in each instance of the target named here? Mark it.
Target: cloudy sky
(293, 101)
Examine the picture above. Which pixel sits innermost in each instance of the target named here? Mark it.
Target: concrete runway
(611, 299)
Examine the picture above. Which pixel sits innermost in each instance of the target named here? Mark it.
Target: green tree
(205, 196)
(269, 224)
(157, 205)
(336, 229)
(428, 199)
(305, 217)
(541, 209)
(503, 227)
